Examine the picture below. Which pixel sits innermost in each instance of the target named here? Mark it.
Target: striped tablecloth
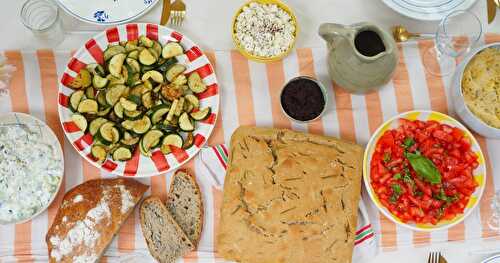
(249, 95)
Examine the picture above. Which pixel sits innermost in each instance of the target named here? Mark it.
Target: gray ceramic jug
(349, 68)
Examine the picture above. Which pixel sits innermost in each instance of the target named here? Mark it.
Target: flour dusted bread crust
(289, 197)
(89, 216)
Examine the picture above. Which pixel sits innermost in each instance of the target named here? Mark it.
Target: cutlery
(401, 34)
(178, 12)
(436, 257)
(492, 9)
(165, 12)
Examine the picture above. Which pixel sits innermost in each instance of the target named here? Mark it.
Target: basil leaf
(424, 167)
(397, 176)
(408, 142)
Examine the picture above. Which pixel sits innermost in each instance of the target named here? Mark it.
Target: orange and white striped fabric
(249, 96)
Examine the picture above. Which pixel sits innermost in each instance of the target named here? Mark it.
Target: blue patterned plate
(106, 12)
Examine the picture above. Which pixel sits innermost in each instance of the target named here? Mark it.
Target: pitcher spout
(330, 31)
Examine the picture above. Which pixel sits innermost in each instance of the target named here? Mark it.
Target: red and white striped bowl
(139, 165)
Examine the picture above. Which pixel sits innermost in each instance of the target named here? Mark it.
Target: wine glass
(457, 33)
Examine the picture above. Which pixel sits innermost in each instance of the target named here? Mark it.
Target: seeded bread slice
(165, 239)
(185, 204)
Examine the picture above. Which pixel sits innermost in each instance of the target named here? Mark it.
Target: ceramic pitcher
(355, 72)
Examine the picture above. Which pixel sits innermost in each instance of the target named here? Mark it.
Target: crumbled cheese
(78, 198)
(127, 200)
(265, 30)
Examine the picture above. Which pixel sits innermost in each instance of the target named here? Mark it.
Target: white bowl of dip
(31, 167)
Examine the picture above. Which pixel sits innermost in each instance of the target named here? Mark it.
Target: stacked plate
(428, 9)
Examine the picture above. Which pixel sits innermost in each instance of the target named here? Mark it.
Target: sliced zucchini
(112, 51)
(75, 98)
(114, 93)
(104, 111)
(123, 43)
(172, 49)
(172, 139)
(101, 99)
(188, 107)
(132, 115)
(115, 64)
(180, 107)
(90, 92)
(96, 69)
(189, 141)
(195, 83)
(122, 154)
(193, 100)
(145, 41)
(129, 140)
(128, 105)
(76, 83)
(130, 46)
(171, 113)
(185, 123)
(146, 58)
(88, 106)
(99, 152)
(163, 67)
(201, 114)
(142, 126)
(147, 100)
(180, 80)
(158, 113)
(125, 72)
(151, 140)
(86, 78)
(133, 54)
(167, 128)
(96, 124)
(109, 132)
(138, 90)
(147, 84)
(114, 80)
(135, 99)
(99, 82)
(175, 71)
(155, 54)
(118, 110)
(128, 124)
(154, 75)
(80, 121)
(133, 78)
(134, 65)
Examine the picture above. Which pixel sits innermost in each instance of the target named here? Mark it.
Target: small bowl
(323, 90)
(259, 58)
(479, 173)
(461, 108)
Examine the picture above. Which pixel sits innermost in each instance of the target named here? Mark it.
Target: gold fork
(178, 12)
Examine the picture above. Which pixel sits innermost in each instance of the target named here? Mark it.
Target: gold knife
(165, 12)
(492, 11)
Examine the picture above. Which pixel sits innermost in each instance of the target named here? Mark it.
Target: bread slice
(185, 204)
(88, 218)
(165, 239)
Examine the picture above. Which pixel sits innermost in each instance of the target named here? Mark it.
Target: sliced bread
(185, 204)
(165, 239)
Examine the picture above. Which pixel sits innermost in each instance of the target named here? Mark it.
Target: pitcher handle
(329, 31)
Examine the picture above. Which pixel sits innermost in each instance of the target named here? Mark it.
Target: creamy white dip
(30, 171)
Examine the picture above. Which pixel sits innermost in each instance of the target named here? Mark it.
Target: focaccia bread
(89, 216)
(289, 197)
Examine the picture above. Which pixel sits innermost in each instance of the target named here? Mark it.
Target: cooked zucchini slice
(99, 152)
(171, 113)
(109, 132)
(101, 99)
(185, 123)
(138, 90)
(112, 51)
(135, 99)
(128, 105)
(180, 107)
(172, 139)
(76, 83)
(114, 93)
(174, 71)
(201, 114)
(95, 125)
(193, 100)
(96, 69)
(146, 58)
(80, 121)
(142, 126)
(104, 111)
(90, 92)
(129, 140)
(172, 49)
(154, 75)
(133, 64)
(86, 78)
(75, 98)
(122, 154)
(114, 80)
(159, 112)
(133, 54)
(147, 100)
(163, 67)
(99, 82)
(147, 84)
(118, 110)
(188, 107)
(145, 41)
(195, 83)
(180, 80)
(115, 64)
(167, 128)
(158, 48)
(130, 46)
(154, 53)
(189, 141)
(132, 115)
(88, 106)
(128, 124)
(151, 140)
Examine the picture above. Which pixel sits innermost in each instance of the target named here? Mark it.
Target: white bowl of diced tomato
(424, 170)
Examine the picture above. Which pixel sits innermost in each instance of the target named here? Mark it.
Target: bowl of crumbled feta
(265, 30)
(31, 167)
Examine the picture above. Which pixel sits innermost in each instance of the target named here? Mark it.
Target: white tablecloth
(208, 24)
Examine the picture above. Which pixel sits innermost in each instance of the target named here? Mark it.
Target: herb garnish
(424, 167)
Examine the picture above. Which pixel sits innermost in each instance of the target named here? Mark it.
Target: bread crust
(78, 201)
(289, 197)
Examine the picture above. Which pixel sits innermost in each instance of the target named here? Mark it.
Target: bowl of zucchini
(142, 106)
